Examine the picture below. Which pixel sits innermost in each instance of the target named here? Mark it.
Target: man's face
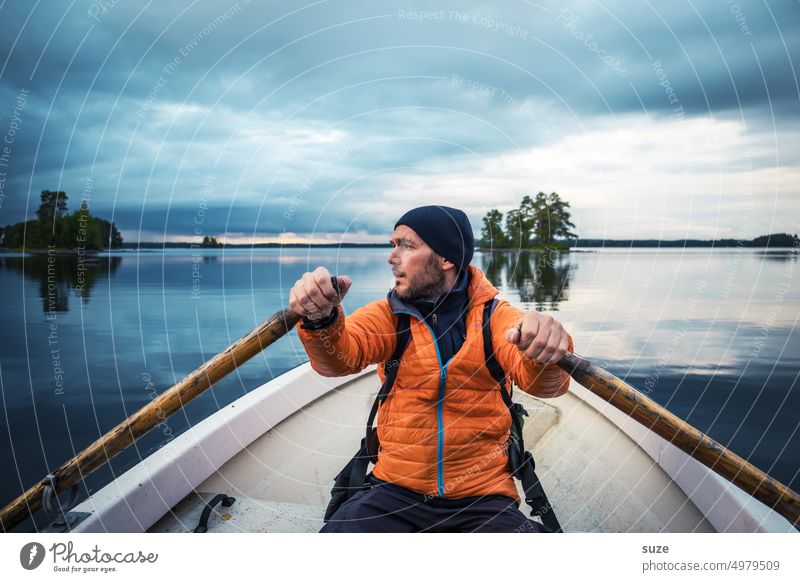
(416, 268)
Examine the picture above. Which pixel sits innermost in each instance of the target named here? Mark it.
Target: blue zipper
(439, 405)
(440, 443)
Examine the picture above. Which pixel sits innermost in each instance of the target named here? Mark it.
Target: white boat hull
(277, 449)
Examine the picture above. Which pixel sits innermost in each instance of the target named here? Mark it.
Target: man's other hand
(540, 338)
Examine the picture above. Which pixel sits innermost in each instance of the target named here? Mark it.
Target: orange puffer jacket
(444, 426)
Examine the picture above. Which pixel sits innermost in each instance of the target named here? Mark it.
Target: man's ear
(447, 265)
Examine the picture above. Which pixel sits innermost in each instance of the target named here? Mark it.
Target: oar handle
(687, 438)
(147, 417)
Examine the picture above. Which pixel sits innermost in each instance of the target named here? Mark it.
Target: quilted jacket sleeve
(535, 379)
(351, 343)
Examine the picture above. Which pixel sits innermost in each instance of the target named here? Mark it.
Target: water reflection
(59, 276)
(787, 255)
(705, 321)
(540, 278)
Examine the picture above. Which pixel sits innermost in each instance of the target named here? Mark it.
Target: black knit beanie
(446, 230)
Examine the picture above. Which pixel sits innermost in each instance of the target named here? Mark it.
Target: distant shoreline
(760, 242)
(772, 241)
(190, 245)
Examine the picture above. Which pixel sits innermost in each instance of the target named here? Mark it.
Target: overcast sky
(327, 120)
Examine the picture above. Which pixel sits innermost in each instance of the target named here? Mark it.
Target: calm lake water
(711, 334)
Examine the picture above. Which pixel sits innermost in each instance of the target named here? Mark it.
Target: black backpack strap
(523, 466)
(351, 479)
(495, 369)
(497, 372)
(390, 367)
(403, 335)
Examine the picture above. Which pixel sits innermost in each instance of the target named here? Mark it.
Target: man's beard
(428, 284)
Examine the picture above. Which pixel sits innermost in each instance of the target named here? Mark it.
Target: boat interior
(595, 475)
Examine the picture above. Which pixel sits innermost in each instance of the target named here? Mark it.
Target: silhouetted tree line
(538, 222)
(779, 240)
(210, 242)
(55, 227)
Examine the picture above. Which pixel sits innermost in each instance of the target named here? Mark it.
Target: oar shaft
(147, 417)
(699, 446)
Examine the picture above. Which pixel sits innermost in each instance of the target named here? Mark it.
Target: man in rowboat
(443, 429)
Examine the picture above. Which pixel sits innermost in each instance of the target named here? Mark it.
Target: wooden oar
(147, 417)
(691, 441)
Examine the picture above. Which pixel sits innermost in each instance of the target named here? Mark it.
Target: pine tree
(492, 235)
(53, 205)
(517, 233)
(549, 217)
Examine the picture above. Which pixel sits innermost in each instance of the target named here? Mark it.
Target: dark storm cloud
(302, 116)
